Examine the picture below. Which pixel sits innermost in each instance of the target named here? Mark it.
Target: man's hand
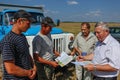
(72, 53)
(80, 58)
(89, 67)
(34, 71)
(30, 72)
(56, 53)
(54, 64)
(85, 58)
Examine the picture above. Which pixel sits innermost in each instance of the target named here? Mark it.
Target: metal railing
(58, 41)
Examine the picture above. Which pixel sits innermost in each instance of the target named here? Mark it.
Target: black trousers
(104, 78)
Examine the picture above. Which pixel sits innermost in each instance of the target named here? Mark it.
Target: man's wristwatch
(95, 67)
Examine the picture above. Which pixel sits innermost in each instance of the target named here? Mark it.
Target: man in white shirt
(106, 56)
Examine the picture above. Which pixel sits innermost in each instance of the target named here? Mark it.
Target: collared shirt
(85, 45)
(107, 52)
(15, 47)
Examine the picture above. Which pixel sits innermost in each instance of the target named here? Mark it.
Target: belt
(104, 78)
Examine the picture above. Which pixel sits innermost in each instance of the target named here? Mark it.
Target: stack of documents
(64, 59)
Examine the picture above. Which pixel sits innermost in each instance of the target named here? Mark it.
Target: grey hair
(103, 25)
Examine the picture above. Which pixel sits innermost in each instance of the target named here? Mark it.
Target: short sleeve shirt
(43, 45)
(15, 47)
(85, 45)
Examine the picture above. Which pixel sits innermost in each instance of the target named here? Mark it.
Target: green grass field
(75, 26)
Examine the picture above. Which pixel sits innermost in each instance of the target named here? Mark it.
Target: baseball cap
(23, 14)
(48, 21)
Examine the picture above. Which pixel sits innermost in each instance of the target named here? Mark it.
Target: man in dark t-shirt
(17, 62)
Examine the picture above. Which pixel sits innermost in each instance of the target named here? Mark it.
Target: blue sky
(76, 10)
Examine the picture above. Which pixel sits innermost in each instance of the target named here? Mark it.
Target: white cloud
(72, 2)
(96, 13)
(28, 0)
(39, 5)
(50, 12)
(88, 16)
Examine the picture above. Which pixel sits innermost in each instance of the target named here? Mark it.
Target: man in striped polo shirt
(17, 62)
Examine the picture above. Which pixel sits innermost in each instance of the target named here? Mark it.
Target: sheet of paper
(82, 63)
(64, 59)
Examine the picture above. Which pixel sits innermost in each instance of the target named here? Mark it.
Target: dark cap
(23, 14)
(48, 21)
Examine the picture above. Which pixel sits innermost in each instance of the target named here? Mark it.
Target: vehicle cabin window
(0, 19)
(117, 30)
(114, 30)
(37, 17)
(8, 18)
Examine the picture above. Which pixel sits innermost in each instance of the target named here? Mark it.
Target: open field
(75, 26)
(68, 72)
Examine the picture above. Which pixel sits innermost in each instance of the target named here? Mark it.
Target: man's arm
(41, 60)
(34, 69)
(76, 50)
(56, 53)
(106, 67)
(92, 67)
(85, 58)
(12, 69)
